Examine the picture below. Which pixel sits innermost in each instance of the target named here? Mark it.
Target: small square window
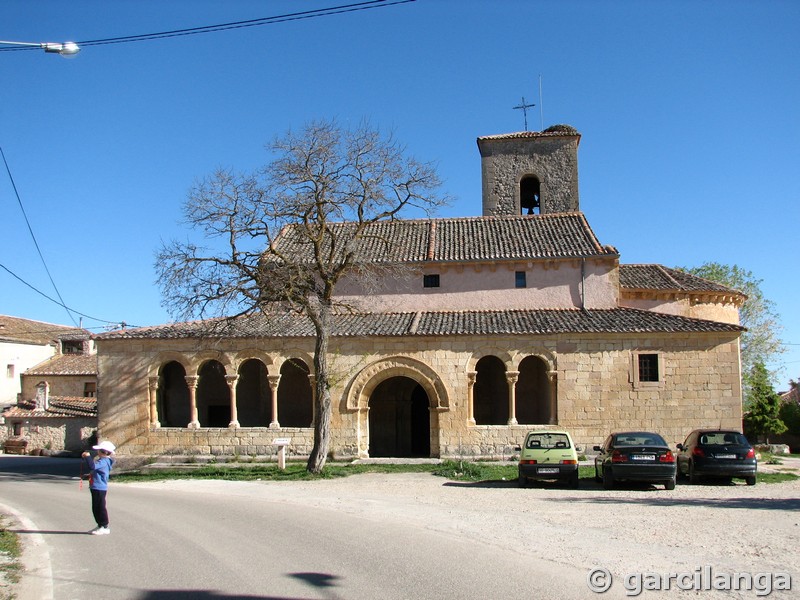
(648, 367)
(431, 281)
(520, 279)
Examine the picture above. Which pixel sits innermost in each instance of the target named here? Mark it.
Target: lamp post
(65, 49)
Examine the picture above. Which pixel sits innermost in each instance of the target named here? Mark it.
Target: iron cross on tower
(524, 108)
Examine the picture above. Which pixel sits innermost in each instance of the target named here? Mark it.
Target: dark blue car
(635, 456)
(717, 453)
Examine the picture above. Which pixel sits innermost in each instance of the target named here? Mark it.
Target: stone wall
(60, 385)
(593, 378)
(53, 433)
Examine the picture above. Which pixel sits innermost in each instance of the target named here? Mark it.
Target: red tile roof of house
(66, 364)
(58, 407)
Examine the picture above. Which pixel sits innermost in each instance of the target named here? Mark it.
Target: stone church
(515, 320)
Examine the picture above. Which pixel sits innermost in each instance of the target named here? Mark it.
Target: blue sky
(688, 113)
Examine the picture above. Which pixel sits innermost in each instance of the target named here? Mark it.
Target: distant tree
(761, 342)
(790, 409)
(764, 404)
(277, 245)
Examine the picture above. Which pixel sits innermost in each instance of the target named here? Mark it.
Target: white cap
(107, 446)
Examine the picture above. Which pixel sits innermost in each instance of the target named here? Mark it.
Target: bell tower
(530, 172)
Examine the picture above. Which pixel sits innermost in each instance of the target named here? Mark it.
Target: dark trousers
(99, 507)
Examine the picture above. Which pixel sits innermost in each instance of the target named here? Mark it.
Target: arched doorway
(399, 419)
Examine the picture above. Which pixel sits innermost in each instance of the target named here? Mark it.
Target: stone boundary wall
(53, 433)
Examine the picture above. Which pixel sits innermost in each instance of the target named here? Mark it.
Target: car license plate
(643, 457)
(726, 456)
(547, 470)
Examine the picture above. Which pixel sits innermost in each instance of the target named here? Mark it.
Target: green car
(546, 456)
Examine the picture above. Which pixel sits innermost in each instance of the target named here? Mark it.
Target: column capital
(512, 376)
(192, 380)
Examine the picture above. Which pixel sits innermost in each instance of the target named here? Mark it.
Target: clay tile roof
(564, 235)
(66, 364)
(59, 407)
(15, 329)
(658, 277)
(563, 131)
(513, 322)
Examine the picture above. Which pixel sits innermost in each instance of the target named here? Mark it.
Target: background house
(23, 344)
(56, 407)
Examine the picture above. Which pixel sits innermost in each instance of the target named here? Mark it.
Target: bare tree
(286, 235)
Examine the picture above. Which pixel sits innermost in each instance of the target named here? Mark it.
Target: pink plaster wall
(492, 287)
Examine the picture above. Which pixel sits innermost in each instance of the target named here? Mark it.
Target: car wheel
(522, 481)
(693, 477)
(750, 480)
(678, 473)
(669, 484)
(608, 479)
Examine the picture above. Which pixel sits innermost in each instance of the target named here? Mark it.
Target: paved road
(168, 543)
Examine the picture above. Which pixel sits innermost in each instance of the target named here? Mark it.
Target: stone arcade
(518, 319)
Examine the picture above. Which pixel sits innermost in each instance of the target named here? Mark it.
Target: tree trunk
(322, 397)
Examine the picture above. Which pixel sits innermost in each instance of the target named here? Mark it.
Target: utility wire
(41, 293)
(309, 14)
(33, 237)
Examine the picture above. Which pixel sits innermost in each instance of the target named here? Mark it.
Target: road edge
(36, 579)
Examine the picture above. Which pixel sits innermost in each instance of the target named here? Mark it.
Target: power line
(309, 14)
(41, 293)
(33, 237)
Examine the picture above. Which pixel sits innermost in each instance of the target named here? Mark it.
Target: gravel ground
(639, 529)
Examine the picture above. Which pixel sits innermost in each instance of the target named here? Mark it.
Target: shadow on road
(205, 595)
(30, 468)
(47, 532)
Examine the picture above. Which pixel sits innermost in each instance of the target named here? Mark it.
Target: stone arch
(172, 398)
(501, 353)
(490, 392)
(213, 394)
(166, 357)
(243, 356)
(295, 353)
(204, 356)
(252, 393)
(534, 402)
(295, 397)
(545, 355)
(365, 382)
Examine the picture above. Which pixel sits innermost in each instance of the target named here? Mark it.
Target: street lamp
(66, 49)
